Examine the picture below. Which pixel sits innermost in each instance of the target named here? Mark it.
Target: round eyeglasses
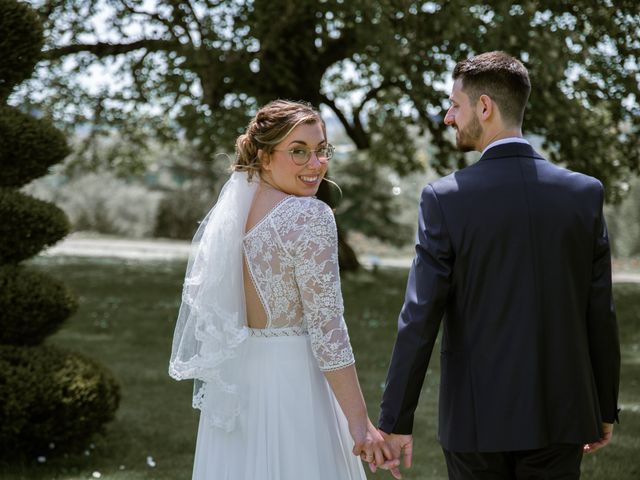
(301, 155)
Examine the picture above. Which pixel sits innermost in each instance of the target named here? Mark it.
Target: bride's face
(281, 171)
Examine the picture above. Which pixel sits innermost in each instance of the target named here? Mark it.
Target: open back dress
(292, 426)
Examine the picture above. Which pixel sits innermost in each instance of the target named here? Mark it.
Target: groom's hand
(371, 447)
(400, 445)
(607, 429)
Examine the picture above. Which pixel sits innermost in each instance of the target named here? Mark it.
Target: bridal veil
(211, 329)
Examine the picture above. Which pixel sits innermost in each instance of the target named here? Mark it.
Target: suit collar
(510, 150)
(503, 141)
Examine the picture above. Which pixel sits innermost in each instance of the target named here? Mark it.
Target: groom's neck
(497, 133)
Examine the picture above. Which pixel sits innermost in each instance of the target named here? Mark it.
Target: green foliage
(379, 66)
(28, 225)
(623, 221)
(101, 202)
(28, 147)
(49, 396)
(21, 40)
(181, 211)
(32, 305)
(373, 202)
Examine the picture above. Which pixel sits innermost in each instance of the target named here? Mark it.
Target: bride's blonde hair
(268, 128)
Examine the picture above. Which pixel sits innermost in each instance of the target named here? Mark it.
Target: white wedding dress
(291, 426)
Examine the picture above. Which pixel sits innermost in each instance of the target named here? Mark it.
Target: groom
(513, 252)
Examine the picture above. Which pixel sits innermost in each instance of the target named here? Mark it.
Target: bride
(260, 327)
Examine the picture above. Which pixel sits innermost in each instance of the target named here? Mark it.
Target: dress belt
(295, 331)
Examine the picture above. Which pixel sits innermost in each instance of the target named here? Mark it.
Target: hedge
(33, 305)
(21, 40)
(28, 225)
(28, 147)
(50, 397)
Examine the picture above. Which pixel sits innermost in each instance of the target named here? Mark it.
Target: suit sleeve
(424, 305)
(604, 345)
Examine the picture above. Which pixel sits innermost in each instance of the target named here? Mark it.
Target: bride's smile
(297, 164)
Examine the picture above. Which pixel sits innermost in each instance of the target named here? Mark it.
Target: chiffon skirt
(292, 426)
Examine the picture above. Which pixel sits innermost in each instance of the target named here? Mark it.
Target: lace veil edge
(211, 328)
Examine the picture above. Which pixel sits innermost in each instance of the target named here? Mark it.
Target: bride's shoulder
(301, 211)
(307, 202)
(310, 207)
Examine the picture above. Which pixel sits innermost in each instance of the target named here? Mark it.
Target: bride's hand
(371, 447)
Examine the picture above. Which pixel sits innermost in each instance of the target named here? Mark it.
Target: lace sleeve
(318, 279)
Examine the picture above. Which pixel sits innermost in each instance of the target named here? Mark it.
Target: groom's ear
(486, 107)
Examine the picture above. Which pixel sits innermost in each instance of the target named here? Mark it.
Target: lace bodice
(292, 258)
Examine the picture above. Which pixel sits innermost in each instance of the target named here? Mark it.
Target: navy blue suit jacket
(513, 252)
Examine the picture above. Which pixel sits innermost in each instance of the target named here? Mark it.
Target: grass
(626, 265)
(126, 321)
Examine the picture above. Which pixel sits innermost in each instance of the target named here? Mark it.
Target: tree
(623, 222)
(48, 395)
(197, 69)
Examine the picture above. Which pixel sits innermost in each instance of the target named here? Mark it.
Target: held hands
(371, 447)
(400, 445)
(607, 429)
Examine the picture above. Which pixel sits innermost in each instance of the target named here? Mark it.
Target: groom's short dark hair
(500, 76)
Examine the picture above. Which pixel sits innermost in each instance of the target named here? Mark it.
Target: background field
(126, 321)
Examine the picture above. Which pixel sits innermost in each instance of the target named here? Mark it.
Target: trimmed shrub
(28, 225)
(47, 396)
(181, 211)
(21, 40)
(50, 396)
(32, 305)
(28, 147)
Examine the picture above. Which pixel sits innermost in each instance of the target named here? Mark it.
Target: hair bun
(270, 126)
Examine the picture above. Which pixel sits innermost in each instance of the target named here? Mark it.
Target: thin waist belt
(296, 331)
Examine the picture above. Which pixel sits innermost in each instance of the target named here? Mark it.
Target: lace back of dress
(272, 296)
(293, 261)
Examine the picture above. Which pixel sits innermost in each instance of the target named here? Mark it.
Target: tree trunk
(346, 255)
(347, 258)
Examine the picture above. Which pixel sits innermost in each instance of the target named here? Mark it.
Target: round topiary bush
(32, 305)
(50, 396)
(28, 147)
(21, 40)
(47, 396)
(28, 225)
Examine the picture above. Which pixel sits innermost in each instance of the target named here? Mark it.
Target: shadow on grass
(126, 321)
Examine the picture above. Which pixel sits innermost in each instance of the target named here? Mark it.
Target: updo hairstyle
(268, 128)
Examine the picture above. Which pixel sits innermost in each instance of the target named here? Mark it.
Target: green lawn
(126, 321)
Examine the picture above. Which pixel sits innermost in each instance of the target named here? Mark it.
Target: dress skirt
(292, 427)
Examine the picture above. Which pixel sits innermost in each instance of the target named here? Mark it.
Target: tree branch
(138, 82)
(356, 133)
(153, 16)
(196, 20)
(105, 49)
(371, 94)
(338, 48)
(180, 18)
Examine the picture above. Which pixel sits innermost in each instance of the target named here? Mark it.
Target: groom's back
(523, 233)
